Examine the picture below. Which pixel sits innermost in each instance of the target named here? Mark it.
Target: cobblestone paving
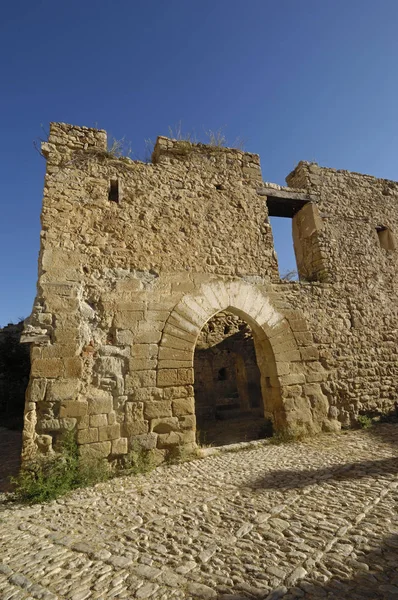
(305, 520)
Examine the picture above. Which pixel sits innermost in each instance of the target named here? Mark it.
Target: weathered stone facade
(136, 258)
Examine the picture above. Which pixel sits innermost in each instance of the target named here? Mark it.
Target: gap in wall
(283, 244)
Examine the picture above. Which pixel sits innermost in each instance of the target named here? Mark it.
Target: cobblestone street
(305, 520)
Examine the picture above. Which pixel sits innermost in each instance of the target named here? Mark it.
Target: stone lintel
(285, 202)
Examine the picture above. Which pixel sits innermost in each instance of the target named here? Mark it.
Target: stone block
(167, 377)
(73, 367)
(292, 379)
(125, 336)
(127, 307)
(299, 325)
(129, 285)
(144, 394)
(36, 390)
(98, 420)
(148, 337)
(176, 392)
(292, 391)
(175, 364)
(284, 346)
(44, 443)
(68, 423)
(58, 351)
(73, 408)
(166, 440)
(135, 428)
(303, 338)
(113, 351)
(283, 368)
(87, 436)
(144, 351)
(95, 451)
(142, 364)
(110, 432)
(309, 353)
(127, 319)
(187, 320)
(134, 411)
(119, 446)
(185, 376)
(166, 353)
(147, 441)
(165, 425)
(157, 315)
(83, 422)
(63, 389)
(112, 418)
(183, 406)
(99, 402)
(290, 356)
(140, 379)
(154, 410)
(315, 372)
(49, 425)
(175, 330)
(171, 341)
(175, 438)
(47, 367)
(188, 422)
(66, 335)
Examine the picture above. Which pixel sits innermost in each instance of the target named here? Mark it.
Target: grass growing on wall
(46, 479)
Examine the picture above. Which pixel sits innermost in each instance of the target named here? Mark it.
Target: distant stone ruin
(159, 301)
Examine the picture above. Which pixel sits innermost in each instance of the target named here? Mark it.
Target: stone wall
(136, 258)
(354, 317)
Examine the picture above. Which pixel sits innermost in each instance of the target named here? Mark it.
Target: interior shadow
(228, 398)
(14, 376)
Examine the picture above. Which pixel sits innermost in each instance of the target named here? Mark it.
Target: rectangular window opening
(281, 210)
(113, 194)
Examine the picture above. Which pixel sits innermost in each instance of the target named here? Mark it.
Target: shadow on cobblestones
(385, 433)
(289, 479)
(376, 577)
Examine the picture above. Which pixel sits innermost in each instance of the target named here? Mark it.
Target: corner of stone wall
(300, 176)
(64, 139)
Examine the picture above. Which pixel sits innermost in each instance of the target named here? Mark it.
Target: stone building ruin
(159, 301)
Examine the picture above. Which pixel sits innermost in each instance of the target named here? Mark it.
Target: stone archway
(278, 354)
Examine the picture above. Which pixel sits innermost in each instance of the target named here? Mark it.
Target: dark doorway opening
(228, 399)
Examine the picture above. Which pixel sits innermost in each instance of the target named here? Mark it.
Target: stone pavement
(305, 520)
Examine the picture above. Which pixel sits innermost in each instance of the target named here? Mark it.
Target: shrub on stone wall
(49, 477)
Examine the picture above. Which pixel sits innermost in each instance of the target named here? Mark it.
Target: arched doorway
(228, 390)
(279, 356)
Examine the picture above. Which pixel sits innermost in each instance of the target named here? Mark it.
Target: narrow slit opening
(113, 194)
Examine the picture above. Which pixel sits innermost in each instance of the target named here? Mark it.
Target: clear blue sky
(309, 79)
